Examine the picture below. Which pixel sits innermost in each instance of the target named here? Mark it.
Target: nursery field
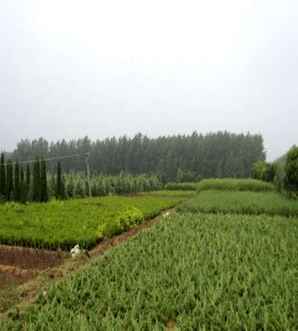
(188, 272)
(233, 184)
(243, 202)
(62, 224)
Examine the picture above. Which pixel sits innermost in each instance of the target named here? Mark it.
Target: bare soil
(29, 258)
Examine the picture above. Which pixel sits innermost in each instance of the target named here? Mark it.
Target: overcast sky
(101, 68)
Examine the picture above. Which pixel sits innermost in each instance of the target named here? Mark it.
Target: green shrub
(65, 223)
(121, 222)
(291, 171)
(263, 171)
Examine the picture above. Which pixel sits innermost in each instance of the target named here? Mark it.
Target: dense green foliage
(291, 170)
(172, 158)
(79, 221)
(202, 272)
(254, 203)
(263, 171)
(232, 184)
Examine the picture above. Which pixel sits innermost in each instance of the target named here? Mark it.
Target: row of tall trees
(172, 158)
(34, 183)
(19, 183)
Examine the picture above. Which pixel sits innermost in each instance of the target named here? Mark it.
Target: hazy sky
(102, 68)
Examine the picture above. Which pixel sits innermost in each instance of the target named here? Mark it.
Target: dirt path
(38, 273)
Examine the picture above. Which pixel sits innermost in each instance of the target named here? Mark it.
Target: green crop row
(170, 193)
(233, 184)
(181, 186)
(198, 272)
(79, 221)
(253, 203)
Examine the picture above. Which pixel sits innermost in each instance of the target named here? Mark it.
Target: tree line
(172, 158)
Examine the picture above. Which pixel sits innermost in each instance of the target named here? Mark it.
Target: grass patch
(199, 272)
(253, 203)
(233, 184)
(80, 221)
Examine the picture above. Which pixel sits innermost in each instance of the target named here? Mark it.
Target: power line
(85, 155)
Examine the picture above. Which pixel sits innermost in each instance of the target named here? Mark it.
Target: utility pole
(88, 173)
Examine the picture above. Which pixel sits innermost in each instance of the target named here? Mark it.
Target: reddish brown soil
(29, 258)
(7, 279)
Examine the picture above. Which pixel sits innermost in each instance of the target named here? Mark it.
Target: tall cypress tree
(44, 184)
(9, 179)
(23, 189)
(27, 188)
(36, 181)
(17, 192)
(60, 190)
(2, 176)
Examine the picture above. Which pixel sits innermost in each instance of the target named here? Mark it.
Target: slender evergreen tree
(9, 183)
(28, 186)
(36, 181)
(28, 175)
(23, 188)
(44, 184)
(60, 189)
(2, 176)
(17, 191)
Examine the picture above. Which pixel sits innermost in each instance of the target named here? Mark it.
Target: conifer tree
(28, 186)
(2, 176)
(9, 183)
(44, 184)
(60, 189)
(23, 188)
(36, 181)
(17, 192)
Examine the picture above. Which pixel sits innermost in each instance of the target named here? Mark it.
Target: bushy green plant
(65, 223)
(291, 171)
(121, 222)
(263, 171)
